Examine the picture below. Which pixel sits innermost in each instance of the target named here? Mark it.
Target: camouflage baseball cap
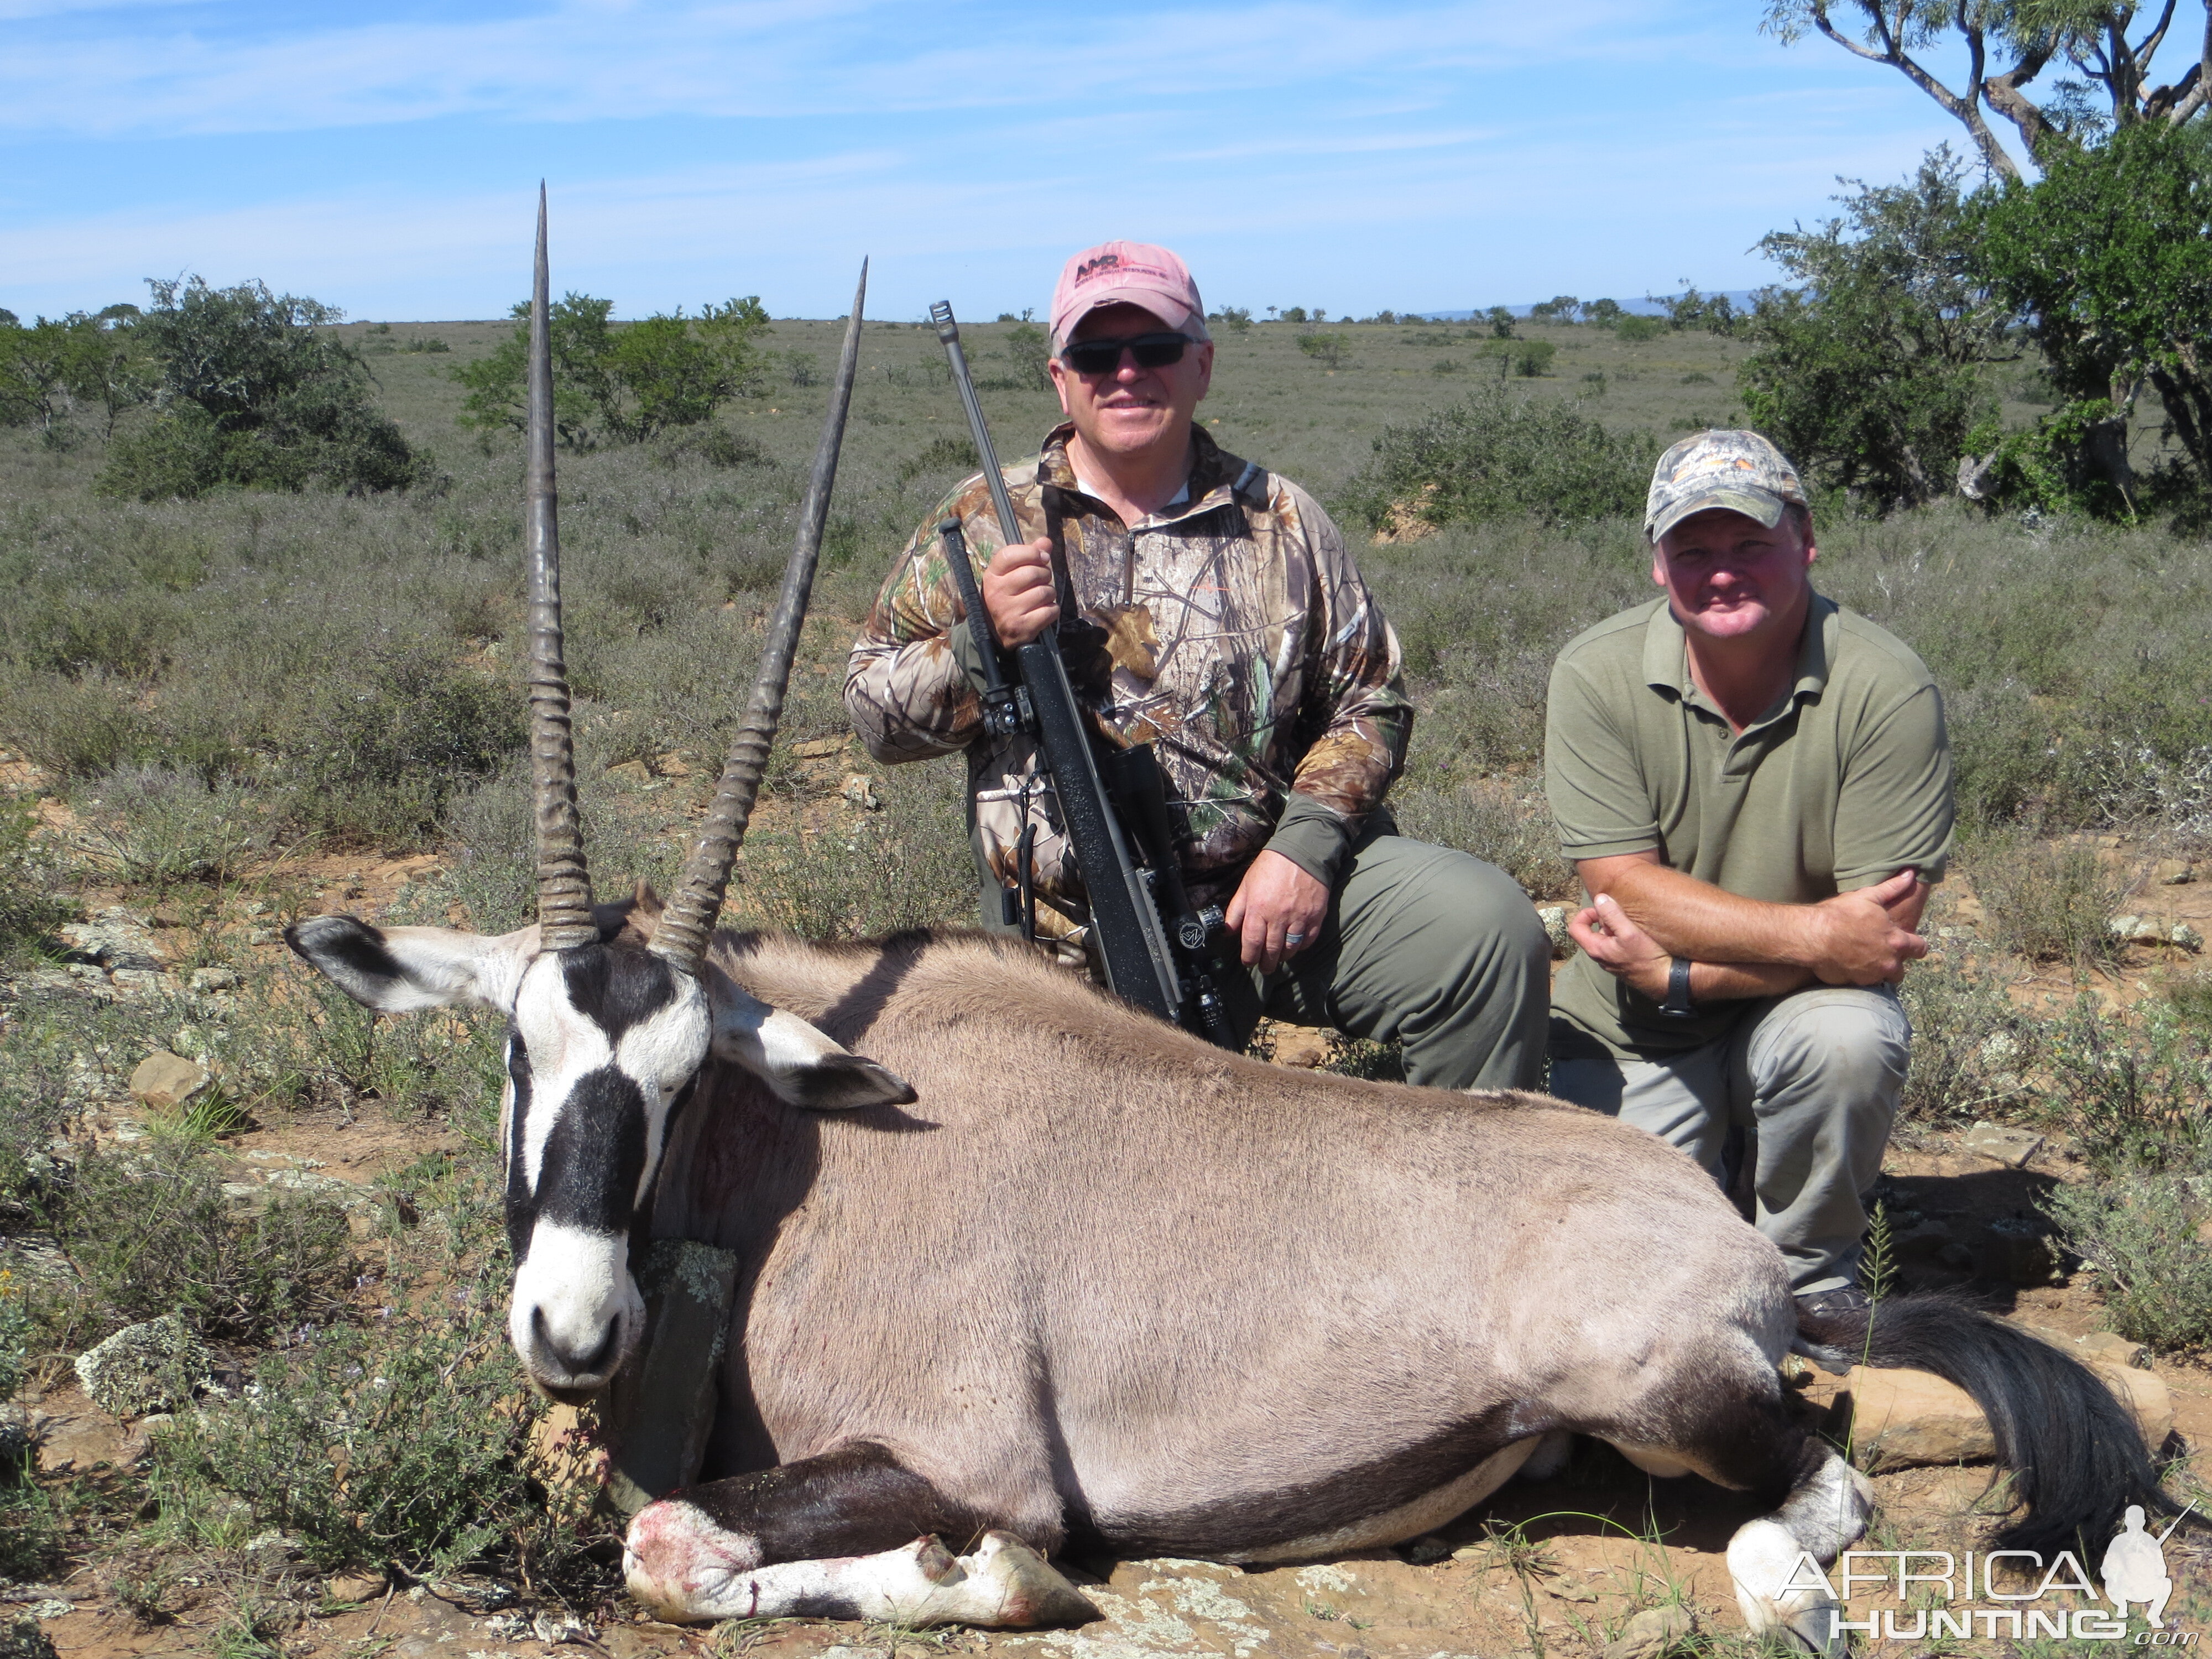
(1739, 471)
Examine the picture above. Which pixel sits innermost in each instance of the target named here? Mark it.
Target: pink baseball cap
(1127, 273)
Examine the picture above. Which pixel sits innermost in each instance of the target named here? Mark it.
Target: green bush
(381, 746)
(2133, 1094)
(626, 383)
(252, 391)
(1029, 350)
(944, 460)
(1495, 455)
(906, 866)
(2046, 903)
(31, 905)
(2138, 1235)
(401, 1439)
(1870, 376)
(1971, 1048)
(29, 1538)
(1634, 329)
(1330, 350)
(149, 825)
(154, 1234)
(1532, 359)
(1508, 827)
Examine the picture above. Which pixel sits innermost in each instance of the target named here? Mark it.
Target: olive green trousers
(1430, 948)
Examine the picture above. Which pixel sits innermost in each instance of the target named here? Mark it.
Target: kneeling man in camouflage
(1755, 787)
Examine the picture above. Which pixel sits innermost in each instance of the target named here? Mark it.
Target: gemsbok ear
(803, 1067)
(397, 970)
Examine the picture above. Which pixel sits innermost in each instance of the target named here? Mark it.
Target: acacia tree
(51, 366)
(2108, 258)
(1869, 375)
(2100, 53)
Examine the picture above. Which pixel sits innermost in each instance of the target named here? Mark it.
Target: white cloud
(1480, 220)
(577, 61)
(1435, 154)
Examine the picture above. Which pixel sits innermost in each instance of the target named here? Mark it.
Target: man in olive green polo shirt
(1755, 787)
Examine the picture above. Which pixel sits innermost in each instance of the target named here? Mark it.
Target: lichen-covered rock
(144, 1368)
(1653, 1633)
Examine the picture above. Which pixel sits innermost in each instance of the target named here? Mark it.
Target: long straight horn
(564, 885)
(689, 922)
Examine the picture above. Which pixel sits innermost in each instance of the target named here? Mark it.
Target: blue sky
(385, 157)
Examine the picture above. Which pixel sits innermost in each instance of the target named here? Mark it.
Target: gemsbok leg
(852, 1534)
(1736, 1431)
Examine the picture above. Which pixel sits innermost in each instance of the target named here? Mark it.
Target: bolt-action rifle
(1156, 947)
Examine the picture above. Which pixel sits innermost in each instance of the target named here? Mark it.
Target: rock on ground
(2010, 1147)
(144, 1368)
(1651, 1633)
(166, 1081)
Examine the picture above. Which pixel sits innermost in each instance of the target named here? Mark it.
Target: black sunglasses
(1104, 356)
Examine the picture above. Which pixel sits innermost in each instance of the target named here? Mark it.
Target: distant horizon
(1650, 305)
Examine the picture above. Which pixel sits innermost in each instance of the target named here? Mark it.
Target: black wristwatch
(1678, 1005)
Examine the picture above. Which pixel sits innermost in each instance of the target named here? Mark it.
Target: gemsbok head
(606, 1034)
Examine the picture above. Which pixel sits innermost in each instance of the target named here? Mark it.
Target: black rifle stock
(1167, 977)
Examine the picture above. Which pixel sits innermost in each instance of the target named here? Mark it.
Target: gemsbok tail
(2076, 1458)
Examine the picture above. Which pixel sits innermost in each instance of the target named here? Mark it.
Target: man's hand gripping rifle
(1156, 947)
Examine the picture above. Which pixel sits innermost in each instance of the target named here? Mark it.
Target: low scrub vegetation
(1494, 455)
(399, 1437)
(154, 1234)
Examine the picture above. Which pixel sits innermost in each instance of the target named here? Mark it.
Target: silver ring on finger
(1294, 940)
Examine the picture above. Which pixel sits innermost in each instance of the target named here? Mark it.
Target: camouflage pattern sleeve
(907, 687)
(1355, 722)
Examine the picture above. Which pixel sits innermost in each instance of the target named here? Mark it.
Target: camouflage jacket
(1232, 630)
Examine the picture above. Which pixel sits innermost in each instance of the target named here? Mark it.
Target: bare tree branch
(2147, 47)
(1966, 111)
(2194, 87)
(2004, 96)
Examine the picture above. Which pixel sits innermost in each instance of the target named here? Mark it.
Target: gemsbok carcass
(1039, 1269)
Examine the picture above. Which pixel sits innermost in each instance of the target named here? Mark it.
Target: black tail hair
(2075, 1455)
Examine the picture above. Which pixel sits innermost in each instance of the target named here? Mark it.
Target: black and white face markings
(602, 1043)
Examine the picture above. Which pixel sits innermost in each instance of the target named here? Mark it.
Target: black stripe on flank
(595, 1155)
(1228, 1528)
(616, 989)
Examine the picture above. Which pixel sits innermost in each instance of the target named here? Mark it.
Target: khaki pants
(1427, 947)
(1424, 946)
(1814, 1078)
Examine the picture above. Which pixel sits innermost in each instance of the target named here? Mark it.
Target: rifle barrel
(1010, 528)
